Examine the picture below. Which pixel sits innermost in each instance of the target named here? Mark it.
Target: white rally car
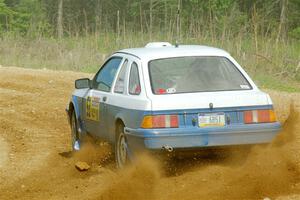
(170, 97)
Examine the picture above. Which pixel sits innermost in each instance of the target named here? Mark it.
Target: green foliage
(295, 33)
(211, 18)
(5, 14)
(4, 10)
(23, 17)
(269, 82)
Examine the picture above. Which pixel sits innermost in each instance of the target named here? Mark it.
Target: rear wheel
(121, 148)
(74, 133)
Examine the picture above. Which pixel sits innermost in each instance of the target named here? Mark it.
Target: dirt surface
(36, 162)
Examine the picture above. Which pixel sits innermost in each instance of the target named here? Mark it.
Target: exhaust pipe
(167, 148)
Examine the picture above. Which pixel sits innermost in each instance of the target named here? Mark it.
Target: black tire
(121, 148)
(75, 140)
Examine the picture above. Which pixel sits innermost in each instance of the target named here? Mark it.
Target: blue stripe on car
(202, 137)
(189, 135)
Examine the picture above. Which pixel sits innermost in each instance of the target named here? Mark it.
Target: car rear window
(195, 74)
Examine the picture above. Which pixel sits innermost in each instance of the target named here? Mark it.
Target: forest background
(263, 35)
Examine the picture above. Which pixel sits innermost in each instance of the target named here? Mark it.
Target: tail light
(160, 121)
(259, 116)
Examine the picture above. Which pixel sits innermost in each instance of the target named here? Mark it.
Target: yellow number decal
(92, 108)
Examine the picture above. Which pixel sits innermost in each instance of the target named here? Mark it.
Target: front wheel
(74, 133)
(121, 148)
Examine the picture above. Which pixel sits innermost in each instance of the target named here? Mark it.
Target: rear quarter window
(134, 86)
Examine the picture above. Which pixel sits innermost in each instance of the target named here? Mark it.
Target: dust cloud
(235, 173)
(134, 182)
(4, 151)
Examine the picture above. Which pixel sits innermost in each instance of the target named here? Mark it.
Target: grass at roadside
(272, 65)
(270, 82)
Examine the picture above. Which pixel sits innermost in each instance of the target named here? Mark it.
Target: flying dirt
(36, 161)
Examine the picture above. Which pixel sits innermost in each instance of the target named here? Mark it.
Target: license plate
(211, 119)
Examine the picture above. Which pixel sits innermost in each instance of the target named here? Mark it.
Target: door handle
(104, 99)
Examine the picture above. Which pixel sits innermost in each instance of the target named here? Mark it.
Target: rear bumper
(201, 137)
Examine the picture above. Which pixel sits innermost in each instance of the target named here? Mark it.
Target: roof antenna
(178, 25)
(176, 44)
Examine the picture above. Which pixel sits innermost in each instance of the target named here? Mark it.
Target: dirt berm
(35, 162)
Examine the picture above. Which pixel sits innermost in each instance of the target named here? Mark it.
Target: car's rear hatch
(210, 108)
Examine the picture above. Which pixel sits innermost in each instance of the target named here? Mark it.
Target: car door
(122, 103)
(117, 99)
(95, 100)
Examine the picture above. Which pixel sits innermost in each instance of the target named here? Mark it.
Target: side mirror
(82, 83)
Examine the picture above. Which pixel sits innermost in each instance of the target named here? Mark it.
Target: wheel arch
(118, 121)
(71, 109)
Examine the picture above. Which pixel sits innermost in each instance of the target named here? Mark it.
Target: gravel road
(36, 162)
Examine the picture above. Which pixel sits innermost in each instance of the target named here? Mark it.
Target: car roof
(155, 52)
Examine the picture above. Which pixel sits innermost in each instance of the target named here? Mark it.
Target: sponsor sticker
(171, 90)
(92, 108)
(245, 86)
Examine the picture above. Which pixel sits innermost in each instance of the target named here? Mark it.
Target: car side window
(105, 77)
(119, 86)
(134, 80)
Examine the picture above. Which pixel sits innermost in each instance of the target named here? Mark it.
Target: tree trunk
(118, 26)
(124, 28)
(141, 18)
(211, 23)
(6, 23)
(98, 20)
(282, 23)
(60, 19)
(166, 16)
(85, 23)
(150, 20)
(178, 22)
(255, 27)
